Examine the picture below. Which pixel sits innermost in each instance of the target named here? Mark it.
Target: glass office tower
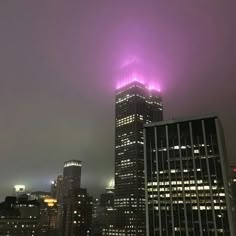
(187, 182)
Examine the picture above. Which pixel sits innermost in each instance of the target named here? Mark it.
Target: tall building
(71, 177)
(187, 182)
(137, 103)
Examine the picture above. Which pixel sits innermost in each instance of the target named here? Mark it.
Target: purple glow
(129, 61)
(136, 77)
(128, 80)
(154, 87)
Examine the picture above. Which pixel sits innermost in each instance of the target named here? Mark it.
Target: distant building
(19, 217)
(57, 188)
(71, 177)
(19, 189)
(107, 199)
(103, 211)
(187, 179)
(77, 213)
(138, 102)
(57, 193)
(38, 195)
(53, 188)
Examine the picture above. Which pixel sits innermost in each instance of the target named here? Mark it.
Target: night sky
(58, 66)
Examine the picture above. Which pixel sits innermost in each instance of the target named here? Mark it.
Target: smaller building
(56, 188)
(38, 195)
(107, 200)
(49, 224)
(103, 211)
(19, 217)
(18, 226)
(77, 211)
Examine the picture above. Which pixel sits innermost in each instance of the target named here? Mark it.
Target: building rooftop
(179, 120)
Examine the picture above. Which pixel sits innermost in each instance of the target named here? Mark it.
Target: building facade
(187, 182)
(49, 217)
(71, 177)
(137, 103)
(78, 214)
(19, 216)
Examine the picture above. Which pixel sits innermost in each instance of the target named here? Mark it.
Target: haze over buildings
(58, 69)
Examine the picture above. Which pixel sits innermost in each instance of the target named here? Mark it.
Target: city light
(50, 201)
(72, 163)
(19, 188)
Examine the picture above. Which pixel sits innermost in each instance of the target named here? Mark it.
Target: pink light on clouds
(130, 60)
(130, 79)
(153, 86)
(150, 85)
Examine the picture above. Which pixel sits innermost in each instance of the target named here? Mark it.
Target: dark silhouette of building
(137, 103)
(103, 211)
(187, 179)
(107, 198)
(57, 188)
(77, 213)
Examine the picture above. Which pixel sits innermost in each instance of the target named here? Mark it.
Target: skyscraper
(71, 177)
(187, 182)
(137, 102)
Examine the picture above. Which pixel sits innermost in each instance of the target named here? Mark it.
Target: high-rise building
(137, 102)
(187, 179)
(71, 177)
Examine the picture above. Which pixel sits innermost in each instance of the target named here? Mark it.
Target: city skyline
(58, 83)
